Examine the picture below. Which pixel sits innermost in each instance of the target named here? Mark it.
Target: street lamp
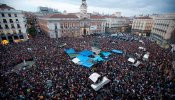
(30, 51)
(56, 33)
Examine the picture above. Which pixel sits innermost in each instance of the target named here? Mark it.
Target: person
(151, 80)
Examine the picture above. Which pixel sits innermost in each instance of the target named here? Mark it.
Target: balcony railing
(4, 21)
(11, 21)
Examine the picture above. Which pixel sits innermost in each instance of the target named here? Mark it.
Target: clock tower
(83, 9)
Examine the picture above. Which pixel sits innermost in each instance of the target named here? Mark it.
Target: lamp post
(56, 33)
(30, 51)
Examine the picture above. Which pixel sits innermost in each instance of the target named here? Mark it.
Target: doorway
(84, 31)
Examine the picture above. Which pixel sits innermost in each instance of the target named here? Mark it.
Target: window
(6, 27)
(12, 25)
(14, 32)
(20, 31)
(3, 37)
(56, 26)
(3, 15)
(17, 21)
(15, 15)
(9, 15)
(18, 26)
(4, 21)
(1, 27)
(21, 36)
(61, 26)
(11, 21)
(15, 36)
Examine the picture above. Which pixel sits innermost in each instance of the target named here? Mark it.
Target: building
(116, 24)
(46, 10)
(12, 25)
(142, 26)
(43, 11)
(117, 14)
(73, 24)
(163, 28)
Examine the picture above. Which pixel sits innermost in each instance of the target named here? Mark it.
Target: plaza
(86, 56)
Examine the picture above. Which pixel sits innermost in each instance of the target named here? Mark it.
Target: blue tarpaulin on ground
(70, 51)
(84, 61)
(106, 54)
(87, 64)
(83, 58)
(86, 53)
(98, 58)
(117, 51)
(73, 55)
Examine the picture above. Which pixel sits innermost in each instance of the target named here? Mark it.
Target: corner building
(12, 24)
(163, 28)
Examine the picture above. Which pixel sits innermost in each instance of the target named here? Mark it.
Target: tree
(172, 39)
(32, 31)
(128, 29)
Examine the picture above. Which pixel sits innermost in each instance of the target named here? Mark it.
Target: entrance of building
(84, 31)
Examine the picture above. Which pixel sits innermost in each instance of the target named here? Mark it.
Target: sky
(126, 7)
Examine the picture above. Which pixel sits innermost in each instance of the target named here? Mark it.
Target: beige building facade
(142, 26)
(116, 24)
(163, 28)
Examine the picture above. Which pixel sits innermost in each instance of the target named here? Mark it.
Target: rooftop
(4, 6)
(61, 16)
(145, 17)
(97, 17)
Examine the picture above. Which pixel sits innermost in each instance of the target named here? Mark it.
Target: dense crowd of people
(153, 79)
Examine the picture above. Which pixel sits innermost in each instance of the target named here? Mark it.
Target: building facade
(12, 25)
(46, 10)
(163, 28)
(117, 14)
(72, 25)
(142, 26)
(116, 24)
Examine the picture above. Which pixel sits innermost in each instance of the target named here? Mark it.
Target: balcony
(4, 21)
(11, 21)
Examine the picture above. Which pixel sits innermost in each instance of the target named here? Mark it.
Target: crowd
(153, 79)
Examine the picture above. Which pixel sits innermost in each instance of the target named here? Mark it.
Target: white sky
(127, 7)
